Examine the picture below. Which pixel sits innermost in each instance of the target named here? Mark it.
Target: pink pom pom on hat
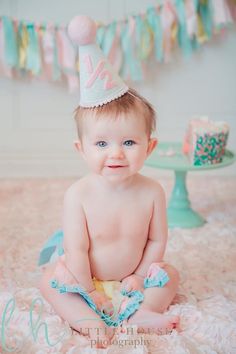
(99, 83)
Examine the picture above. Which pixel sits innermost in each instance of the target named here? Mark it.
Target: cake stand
(179, 211)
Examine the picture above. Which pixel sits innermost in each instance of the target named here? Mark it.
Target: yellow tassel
(23, 44)
(201, 35)
(174, 31)
(146, 45)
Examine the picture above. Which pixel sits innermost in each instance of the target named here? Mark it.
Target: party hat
(99, 83)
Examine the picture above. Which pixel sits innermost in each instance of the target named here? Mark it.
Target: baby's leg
(156, 301)
(73, 309)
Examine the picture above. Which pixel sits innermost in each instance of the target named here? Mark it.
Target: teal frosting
(55, 246)
(136, 297)
(160, 280)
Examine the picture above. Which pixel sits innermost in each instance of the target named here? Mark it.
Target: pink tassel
(222, 15)
(114, 55)
(168, 18)
(232, 8)
(68, 60)
(48, 51)
(191, 18)
(48, 45)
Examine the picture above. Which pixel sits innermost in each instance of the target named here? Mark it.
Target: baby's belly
(113, 262)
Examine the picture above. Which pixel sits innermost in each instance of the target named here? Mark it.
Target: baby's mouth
(116, 166)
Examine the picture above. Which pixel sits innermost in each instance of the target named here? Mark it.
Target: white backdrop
(36, 124)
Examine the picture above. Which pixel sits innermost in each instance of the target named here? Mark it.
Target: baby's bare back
(118, 225)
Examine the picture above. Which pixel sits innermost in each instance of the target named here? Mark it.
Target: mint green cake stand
(180, 213)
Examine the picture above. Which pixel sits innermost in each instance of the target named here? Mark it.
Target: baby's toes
(167, 323)
(174, 322)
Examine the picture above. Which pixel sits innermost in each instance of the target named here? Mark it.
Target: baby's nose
(116, 152)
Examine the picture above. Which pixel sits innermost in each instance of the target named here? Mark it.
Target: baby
(114, 220)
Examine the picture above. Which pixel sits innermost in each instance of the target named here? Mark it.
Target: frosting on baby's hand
(133, 282)
(102, 302)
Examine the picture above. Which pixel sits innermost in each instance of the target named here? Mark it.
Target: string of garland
(44, 50)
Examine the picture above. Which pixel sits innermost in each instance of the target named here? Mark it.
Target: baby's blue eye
(101, 143)
(129, 143)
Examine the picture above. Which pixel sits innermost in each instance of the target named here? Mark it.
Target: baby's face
(115, 149)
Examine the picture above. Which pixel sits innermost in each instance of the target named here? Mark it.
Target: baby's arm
(73, 268)
(76, 239)
(158, 234)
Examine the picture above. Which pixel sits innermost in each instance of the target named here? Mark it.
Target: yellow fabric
(107, 287)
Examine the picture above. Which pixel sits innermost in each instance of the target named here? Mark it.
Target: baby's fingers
(127, 286)
(107, 307)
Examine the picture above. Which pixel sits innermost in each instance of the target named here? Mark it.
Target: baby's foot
(153, 322)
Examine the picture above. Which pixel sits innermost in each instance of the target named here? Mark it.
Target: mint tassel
(11, 55)
(183, 39)
(33, 61)
(205, 10)
(108, 38)
(155, 24)
(100, 35)
(131, 65)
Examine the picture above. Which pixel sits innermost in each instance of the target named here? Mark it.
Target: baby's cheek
(94, 163)
(139, 160)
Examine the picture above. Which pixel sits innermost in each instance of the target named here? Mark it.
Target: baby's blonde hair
(129, 102)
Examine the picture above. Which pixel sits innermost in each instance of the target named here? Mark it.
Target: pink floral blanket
(30, 211)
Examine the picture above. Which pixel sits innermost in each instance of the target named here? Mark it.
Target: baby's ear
(151, 145)
(78, 145)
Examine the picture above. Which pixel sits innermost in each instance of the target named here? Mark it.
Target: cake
(205, 141)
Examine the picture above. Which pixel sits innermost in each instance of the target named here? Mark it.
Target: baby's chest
(119, 220)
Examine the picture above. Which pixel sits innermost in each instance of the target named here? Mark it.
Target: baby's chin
(116, 177)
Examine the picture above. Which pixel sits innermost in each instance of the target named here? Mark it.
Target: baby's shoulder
(152, 186)
(78, 188)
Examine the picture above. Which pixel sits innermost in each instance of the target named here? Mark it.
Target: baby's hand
(102, 302)
(132, 282)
